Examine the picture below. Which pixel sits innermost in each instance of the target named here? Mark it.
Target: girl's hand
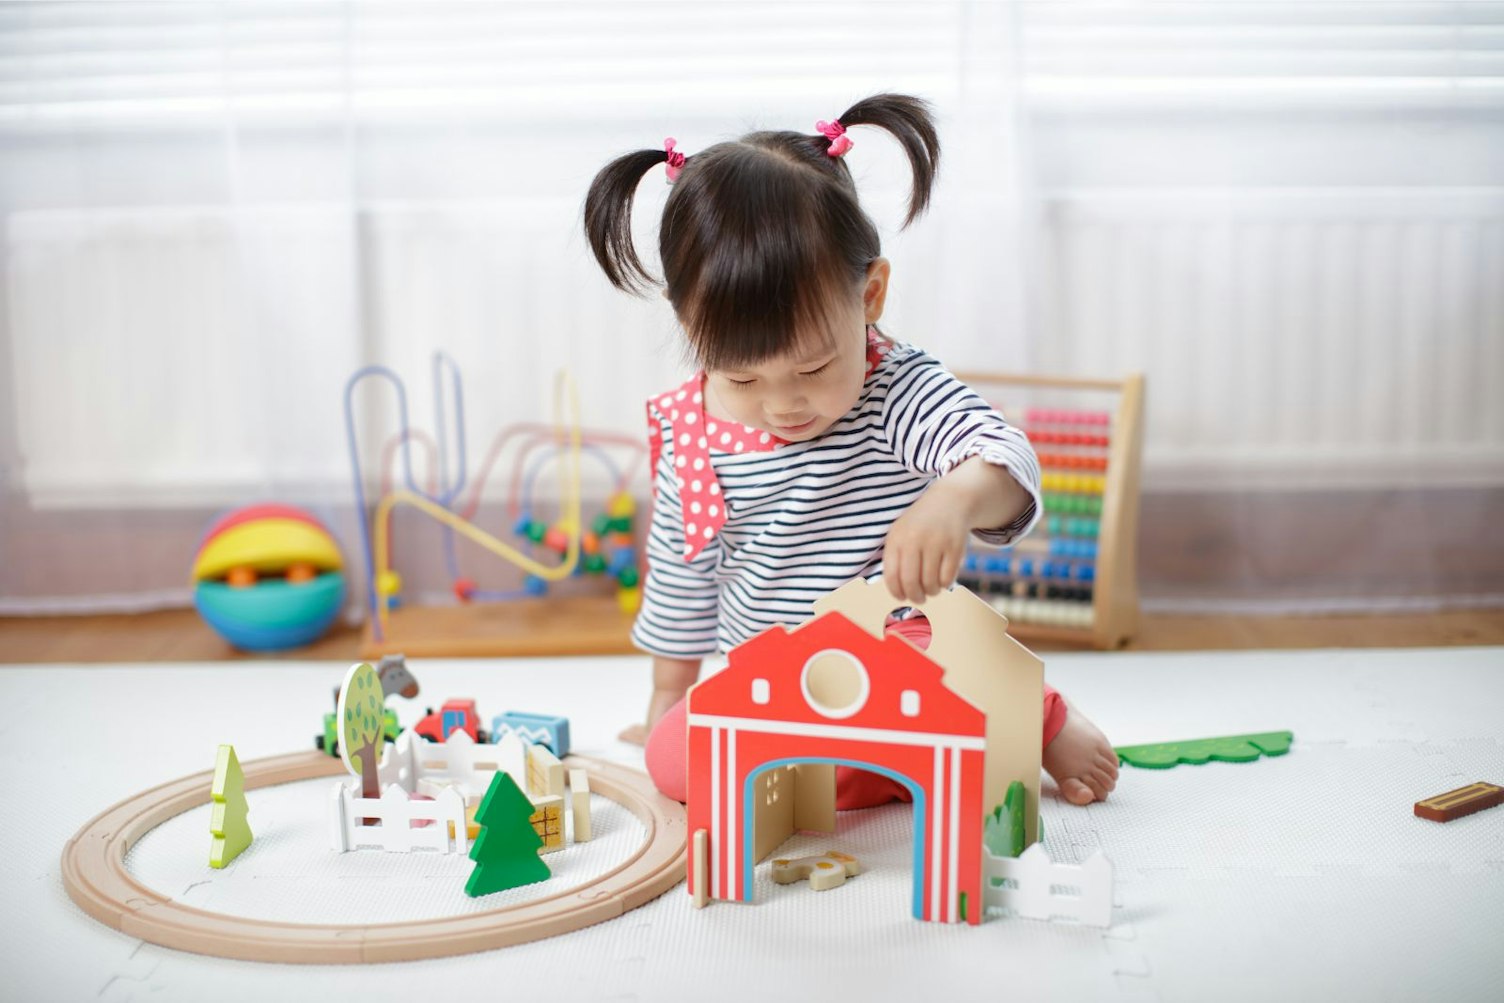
(926, 545)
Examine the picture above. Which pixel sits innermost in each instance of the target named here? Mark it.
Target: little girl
(812, 448)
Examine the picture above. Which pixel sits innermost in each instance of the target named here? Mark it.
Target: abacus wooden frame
(1115, 611)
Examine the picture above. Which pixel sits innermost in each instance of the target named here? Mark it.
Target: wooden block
(701, 877)
(1462, 801)
(548, 822)
(545, 774)
(826, 871)
(579, 804)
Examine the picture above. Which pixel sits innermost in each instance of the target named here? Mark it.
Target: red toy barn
(830, 692)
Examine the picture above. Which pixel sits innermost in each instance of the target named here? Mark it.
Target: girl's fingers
(893, 571)
(948, 567)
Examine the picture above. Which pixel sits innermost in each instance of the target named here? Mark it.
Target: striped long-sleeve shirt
(807, 517)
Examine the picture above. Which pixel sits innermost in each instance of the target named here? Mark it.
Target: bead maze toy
(550, 548)
(1075, 578)
(959, 724)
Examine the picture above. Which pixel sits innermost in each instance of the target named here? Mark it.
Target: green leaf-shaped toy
(1229, 749)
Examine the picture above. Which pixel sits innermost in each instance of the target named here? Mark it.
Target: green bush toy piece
(1003, 832)
(506, 851)
(227, 822)
(1229, 749)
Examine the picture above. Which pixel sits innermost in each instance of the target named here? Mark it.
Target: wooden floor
(180, 636)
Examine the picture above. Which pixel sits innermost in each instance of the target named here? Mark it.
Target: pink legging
(668, 744)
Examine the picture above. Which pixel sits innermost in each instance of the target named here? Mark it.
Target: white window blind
(1081, 55)
(66, 63)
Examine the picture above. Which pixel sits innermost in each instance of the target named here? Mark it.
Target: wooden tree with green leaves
(359, 713)
(1003, 831)
(506, 851)
(227, 822)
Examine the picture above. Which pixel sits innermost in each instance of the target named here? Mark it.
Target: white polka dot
(697, 397)
(708, 532)
(763, 438)
(675, 414)
(688, 550)
(699, 463)
(715, 510)
(691, 529)
(680, 482)
(679, 396)
(695, 487)
(694, 508)
(704, 443)
(684, 439)
(715, 489)
(680, 460)
(725, 437)
(665, 402)
(689, 418)
(740, 446)
(710, 427)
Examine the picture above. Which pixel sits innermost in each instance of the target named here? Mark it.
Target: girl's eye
(816, 372)
(740, 383)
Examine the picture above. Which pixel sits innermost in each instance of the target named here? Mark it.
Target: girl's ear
(875, 289)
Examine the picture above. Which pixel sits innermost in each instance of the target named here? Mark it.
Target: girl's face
(799, 395)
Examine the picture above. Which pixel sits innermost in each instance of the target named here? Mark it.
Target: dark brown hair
(760, 236)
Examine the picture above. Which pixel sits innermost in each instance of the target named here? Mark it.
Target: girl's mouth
(795, 429)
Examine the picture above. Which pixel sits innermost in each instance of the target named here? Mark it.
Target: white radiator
(1299, 338)
(199, 356)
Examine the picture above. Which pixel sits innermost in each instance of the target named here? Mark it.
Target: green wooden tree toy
(1003, 832)
(232, 833)
(360, 716)
(506, 851)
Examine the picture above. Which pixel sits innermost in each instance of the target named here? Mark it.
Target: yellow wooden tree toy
(232, 833)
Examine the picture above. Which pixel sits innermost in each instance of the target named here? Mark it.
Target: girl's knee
(666, 753)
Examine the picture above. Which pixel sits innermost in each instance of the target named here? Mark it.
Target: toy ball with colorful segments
(607, 546)
(268, 577)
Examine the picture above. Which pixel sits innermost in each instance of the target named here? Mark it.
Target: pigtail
(608, 218)
(911, 123)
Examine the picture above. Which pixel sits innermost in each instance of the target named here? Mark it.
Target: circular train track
(97, 880)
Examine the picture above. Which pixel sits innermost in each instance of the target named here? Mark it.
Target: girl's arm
(927, 544)
(987, 477)
(672, 678)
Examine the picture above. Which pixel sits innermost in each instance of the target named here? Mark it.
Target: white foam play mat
(1298, 876)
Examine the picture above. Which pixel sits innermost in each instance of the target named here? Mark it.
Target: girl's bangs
(745, 318)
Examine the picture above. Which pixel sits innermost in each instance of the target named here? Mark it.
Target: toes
(1076, 792)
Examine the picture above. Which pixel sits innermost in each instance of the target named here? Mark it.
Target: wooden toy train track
(96, 878)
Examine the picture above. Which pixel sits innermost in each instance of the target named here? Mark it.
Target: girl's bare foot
(1081, 760)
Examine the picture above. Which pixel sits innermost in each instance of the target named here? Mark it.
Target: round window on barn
(835, 683)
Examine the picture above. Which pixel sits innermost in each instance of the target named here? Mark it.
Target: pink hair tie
(836, 133)
(675, 160)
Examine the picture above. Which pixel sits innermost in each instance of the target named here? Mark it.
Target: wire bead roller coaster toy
(604, 548)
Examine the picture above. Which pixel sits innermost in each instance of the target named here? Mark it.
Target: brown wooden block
(1462, 801)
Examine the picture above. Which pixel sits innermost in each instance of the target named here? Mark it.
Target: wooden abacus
(1075, 577)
